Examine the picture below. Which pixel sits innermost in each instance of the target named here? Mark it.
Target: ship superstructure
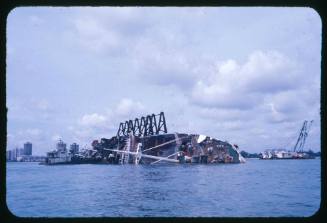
(58, 156)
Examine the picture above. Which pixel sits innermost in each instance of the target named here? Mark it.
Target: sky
(249, 76)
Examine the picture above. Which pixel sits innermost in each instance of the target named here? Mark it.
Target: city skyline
(18, 153)
(250, 76)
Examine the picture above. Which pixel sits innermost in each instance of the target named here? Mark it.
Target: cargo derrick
(144, 127)
(146, 141)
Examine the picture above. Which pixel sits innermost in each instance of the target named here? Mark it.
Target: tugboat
(62, 156)
(58, 156)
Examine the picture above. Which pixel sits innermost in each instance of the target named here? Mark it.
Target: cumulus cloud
(159, 65)
(31, 109)
(24, 135)
(184, 61)
(30, 133)
(33, 132)
(94, 37)
(269, 72)
(158, 54)
(127, 107)
(107, 30)
(93, 120)
(222, 113)
(226, 96)
(124, 109)
(56, 137)
(95, 125)
(235, 85)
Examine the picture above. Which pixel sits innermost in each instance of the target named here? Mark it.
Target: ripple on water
(257, 188)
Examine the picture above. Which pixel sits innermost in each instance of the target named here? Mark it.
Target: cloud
(56, 137)
(92, 35)
(275, 115)
(30, 134)
(290, 106)
(36, 20)
(33, 132)
(158, 53)
(221, 114)
(127, 107)
(107, 31)
(160, 65)
(269, 72)
(22, 136)
(226, 96)
(42, 104)
(95, 125)
(93, 120)
(235, 85)
(184, 61)
(31, 110)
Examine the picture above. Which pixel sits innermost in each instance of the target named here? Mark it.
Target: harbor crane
(302, 136)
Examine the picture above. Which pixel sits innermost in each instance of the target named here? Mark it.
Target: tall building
(74, 148)
(8, 155)
(17, 153)
(14, 154)
(61, 146)
(27, 149)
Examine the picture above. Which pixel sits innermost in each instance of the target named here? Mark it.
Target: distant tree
(244, 154)
(310, 152)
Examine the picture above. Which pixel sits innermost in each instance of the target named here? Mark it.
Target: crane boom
(302, 136)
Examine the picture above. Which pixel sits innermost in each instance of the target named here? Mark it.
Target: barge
(297, 153)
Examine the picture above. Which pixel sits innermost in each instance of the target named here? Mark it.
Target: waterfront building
(74, 148)
(13, 154)
(23, 154)
(8, 155)
(16, 153)
(28, 158)
(27, 149)
(19, 154)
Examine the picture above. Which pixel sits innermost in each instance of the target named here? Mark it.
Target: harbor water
(258, 188)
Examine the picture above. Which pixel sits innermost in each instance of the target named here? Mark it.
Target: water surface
(258, 188)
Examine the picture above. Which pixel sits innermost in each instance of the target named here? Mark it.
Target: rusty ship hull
(146, 141)
(163, 148)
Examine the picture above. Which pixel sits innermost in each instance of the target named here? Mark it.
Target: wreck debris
(146, 141)
(144, 126)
